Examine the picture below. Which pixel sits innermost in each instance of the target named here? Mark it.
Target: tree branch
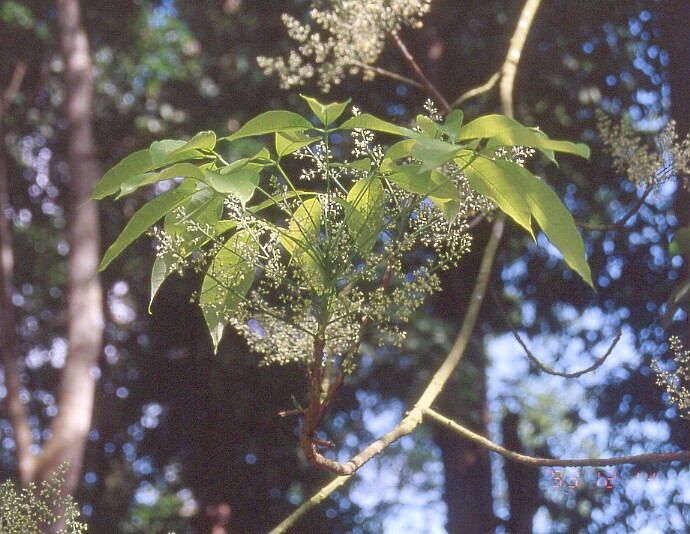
(653, 458)
(620, 222)
(426, 83)
(537, 361)
(471, 93)
(386, 73)
(517, 43)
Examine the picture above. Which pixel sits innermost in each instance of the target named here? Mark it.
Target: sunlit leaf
(487, 177)
(271, 122)
(326, 113)
(369, 122)
(487, 126)
(227, 281)
(521, 136)
(365, 220)
(241, 181)
(289, 142)
(552, 216)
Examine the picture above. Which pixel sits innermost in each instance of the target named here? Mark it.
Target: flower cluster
(353, 37)
(643, 164)
(675, 379)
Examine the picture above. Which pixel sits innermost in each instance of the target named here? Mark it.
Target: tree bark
(70, 427)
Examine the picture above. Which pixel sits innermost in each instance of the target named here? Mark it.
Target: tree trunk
(70, 427)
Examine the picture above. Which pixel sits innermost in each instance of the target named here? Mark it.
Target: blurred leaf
(680, 295)
(680, 242)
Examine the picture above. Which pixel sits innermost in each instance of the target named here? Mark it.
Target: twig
(426, 83)
(620, 222)
(652, 458)
(477, 90)
(535, 360)
(387, 73)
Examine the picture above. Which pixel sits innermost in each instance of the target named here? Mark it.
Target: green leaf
(487, 126)
(552, 216)
(522, 136)
(365, 219)
(135, 164)
(369, 122)
(326, 113)
(487, 177)
(271, 122)
(429, 183)
(434, 153)
(678, 297)
(241, 181)
(205, 208)
(184, 170)
(680, 242)
(427, 126)
(452, 124)
(289, 142)
(363, 164)
(142, 220)
(304, 228)
(401, 149)
(201, 141)
(228, 279)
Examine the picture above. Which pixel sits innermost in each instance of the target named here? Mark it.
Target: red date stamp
(607, 479)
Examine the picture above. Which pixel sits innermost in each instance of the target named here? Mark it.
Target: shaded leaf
(184, 170)
(135, 164)
(451, 126)
(142, 220)
(228, 279)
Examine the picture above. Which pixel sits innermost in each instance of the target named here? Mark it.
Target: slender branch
(537, 361)
(510, 66)
(387, 73)
(620, 222)
(13, 87)
(484, 88)
(476, 299)
(639, 459)
(426, 83)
